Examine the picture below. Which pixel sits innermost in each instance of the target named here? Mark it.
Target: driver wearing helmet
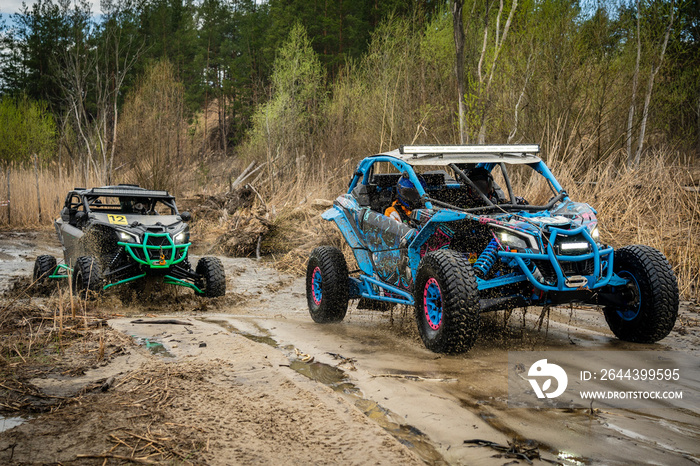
(407, 200)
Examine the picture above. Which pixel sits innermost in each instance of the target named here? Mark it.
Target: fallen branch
(245, 174)
(160, 321)
(513, 450)
(413, 377)
(133, 459)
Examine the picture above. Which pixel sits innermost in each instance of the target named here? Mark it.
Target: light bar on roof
(128, 192)
(480, 149)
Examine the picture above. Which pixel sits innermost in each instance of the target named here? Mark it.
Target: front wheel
(44, 266)
(87, 277)
(446, 302)
(651, 294)
(327, 285)
(213, 282)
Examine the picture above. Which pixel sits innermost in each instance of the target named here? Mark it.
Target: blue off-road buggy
(470, 246)
(115, 235)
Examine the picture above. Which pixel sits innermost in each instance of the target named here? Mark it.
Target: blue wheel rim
(635, 306)
(432, 303)
(316, 282)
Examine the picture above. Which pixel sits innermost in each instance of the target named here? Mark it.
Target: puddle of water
(154, 347)
(481, 407)
(326, 374)
(650, 441)
(260, 339)
(408, 435)
(265, 339)
(7, 423)
(571, 458)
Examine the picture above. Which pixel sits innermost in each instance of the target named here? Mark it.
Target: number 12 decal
(117, 219)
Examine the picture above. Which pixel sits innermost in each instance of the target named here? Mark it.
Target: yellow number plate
(117, 219)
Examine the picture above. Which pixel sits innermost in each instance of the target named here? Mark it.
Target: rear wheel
(87, 277)
(213, 282)
(446, 302)
(44, 266)
(652, 296)
(327, 285)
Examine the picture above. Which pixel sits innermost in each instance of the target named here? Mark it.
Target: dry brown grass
(24, 208)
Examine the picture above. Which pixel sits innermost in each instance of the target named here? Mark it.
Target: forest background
(186, 95)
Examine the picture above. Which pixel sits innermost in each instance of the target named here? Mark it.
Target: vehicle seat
(66, 215)
(437, 178)
(363, 194)
(385, 190)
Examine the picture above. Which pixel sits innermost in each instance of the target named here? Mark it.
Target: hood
(140, 224)
(567, 215)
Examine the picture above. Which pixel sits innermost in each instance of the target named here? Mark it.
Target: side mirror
(186, 216)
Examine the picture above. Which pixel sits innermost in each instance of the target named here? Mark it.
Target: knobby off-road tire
(327, 285)
(213, 283)
(651, 313)
(87, 277)
(446, 302)
(44, 266)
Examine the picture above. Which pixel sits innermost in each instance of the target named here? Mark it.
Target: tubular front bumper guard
(168, 254)
(602, 263)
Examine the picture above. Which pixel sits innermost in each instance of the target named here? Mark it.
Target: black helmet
(482, 179)
(407, 193)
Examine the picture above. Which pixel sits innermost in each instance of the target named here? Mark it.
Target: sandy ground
(249, 378)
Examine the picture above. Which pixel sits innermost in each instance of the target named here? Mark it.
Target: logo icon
(542, 368)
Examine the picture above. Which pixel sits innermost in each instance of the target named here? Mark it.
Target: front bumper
(598, 276)
(157, 251)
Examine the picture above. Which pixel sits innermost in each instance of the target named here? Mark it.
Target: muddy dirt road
(249, 378)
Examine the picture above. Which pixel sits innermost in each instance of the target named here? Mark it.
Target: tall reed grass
(23, 209)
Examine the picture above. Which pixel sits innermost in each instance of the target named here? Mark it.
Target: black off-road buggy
(123, 234)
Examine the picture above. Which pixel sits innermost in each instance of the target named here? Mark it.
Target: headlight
(182, 237)
(127, 237)
(516, 242)
(595, 234)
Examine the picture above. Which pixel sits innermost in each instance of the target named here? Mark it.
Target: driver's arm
(392, 213)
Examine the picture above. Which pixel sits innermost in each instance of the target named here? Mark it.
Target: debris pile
(212, 207)
(235, 220)
(244, 232)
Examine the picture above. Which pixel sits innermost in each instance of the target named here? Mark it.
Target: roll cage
(92, 200)
(406, 158)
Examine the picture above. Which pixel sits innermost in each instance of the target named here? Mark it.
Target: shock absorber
(486, 259)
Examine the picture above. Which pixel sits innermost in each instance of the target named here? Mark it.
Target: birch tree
(486, 79)
(458, 26)
(655, 66)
